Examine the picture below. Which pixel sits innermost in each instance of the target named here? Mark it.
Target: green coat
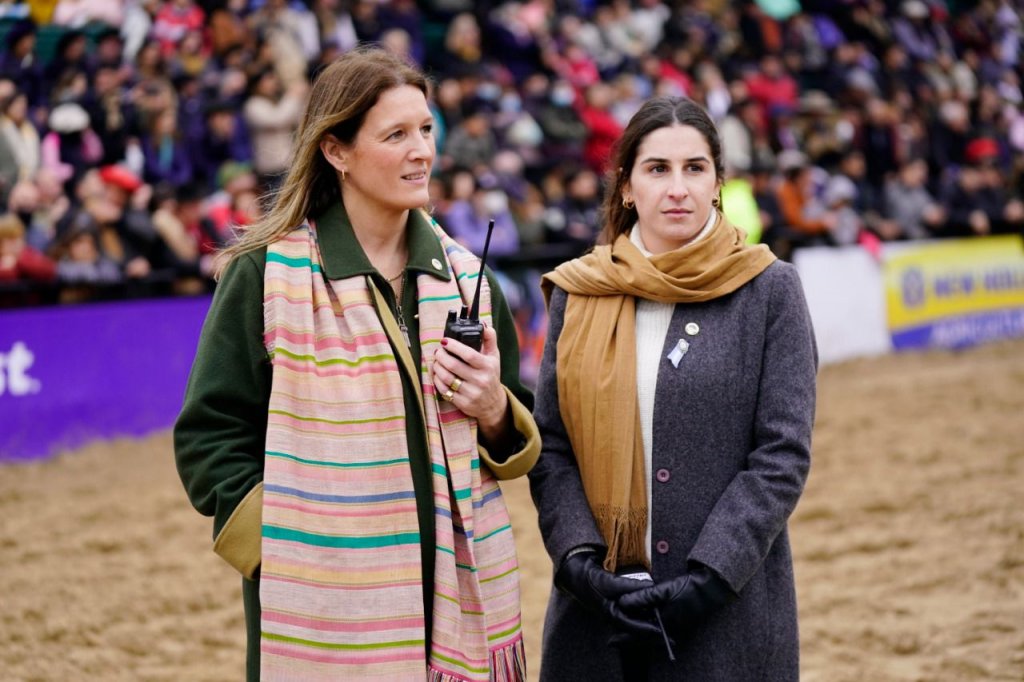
(220, 434)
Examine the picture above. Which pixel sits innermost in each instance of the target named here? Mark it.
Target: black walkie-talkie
(466, 326)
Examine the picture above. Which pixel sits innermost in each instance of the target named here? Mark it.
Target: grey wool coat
(731, 453)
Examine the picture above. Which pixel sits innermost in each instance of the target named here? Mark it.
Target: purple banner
(74, 374)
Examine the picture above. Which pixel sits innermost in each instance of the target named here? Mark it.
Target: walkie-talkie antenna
(474, 311)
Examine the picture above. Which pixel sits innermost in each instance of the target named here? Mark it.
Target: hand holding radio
(468, 373)
(466, 326)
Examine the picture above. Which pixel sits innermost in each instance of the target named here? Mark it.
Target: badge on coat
(678, 351)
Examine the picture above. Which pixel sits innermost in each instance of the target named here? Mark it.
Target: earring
(343, 175)
(715, 202)
(628, 203)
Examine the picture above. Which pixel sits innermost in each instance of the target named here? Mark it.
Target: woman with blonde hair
(347, 451)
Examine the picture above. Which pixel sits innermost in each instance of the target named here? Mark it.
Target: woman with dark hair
(675, 403)
(349, 452)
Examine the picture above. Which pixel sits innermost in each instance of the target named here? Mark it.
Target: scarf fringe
(508, 664)
(627, 530)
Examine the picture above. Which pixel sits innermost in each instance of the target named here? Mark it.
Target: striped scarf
(341, 581)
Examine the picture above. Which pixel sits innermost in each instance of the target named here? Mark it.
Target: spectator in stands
(405, 16)
(336, 27)
(175, 214)
(840, 198)
(564, 130)
(78, 13)
(869, 201)
(108, 51)
(915, 212)
(807, 223)
(271, 114)
(627, 98)
(471, 143)
(19, 262)
(593, 37)
(152, 91)
(41, 204)
(738, 129)
(229, 207)
(710, 550)
(225, 26)
(514, 33)
(71, 147)
(818, 128)
(350, 209)
(461, 51)
(978, 203)
(771, 87)
(19, 142)
(224, 140)
(112, 116)
(948, 135)
(174, 20)
(192, 56)
(167, 160)
(762, 186)
(466, 218)
(613, 21)
(69, 59)
(120, 206)
(290, 31)
(578, 212)
(18, 61)
(878, 140)
(81, 265)
(923, 38)
(602, 128)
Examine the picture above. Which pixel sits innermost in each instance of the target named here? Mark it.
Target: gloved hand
(583, 578)
(683, 601)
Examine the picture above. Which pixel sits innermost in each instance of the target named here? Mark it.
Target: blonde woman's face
(387, 168)
(673, 183)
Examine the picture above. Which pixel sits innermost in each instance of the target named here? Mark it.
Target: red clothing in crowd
(31, 265)
(771, 92)
(173, 22)
(602, 132)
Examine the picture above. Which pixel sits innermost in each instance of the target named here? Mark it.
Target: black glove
(683, 601)
(583, 578)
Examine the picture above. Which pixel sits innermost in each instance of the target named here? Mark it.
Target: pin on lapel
(678, 351)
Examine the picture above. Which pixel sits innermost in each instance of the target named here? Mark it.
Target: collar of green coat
(342, 256)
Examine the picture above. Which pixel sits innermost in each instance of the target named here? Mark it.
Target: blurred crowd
(138, 136)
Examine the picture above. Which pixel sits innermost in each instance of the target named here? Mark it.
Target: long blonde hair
(341, 95)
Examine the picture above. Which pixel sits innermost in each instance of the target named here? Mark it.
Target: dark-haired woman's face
(673, 183)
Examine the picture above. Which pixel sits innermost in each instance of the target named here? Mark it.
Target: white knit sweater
(652, 321)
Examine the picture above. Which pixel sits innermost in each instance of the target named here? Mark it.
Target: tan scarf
(596, 361)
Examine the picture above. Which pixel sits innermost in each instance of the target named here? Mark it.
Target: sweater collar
(343, 256)
(638, 241)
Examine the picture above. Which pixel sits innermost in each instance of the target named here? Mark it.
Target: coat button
(692, 328)
(661, 547)
(663, 475)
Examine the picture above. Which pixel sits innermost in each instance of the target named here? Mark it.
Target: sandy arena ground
(909, 542)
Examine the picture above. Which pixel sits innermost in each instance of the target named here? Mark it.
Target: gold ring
(456, 385)
(448, 395)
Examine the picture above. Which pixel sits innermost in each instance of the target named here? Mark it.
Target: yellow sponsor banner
(940, 281)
